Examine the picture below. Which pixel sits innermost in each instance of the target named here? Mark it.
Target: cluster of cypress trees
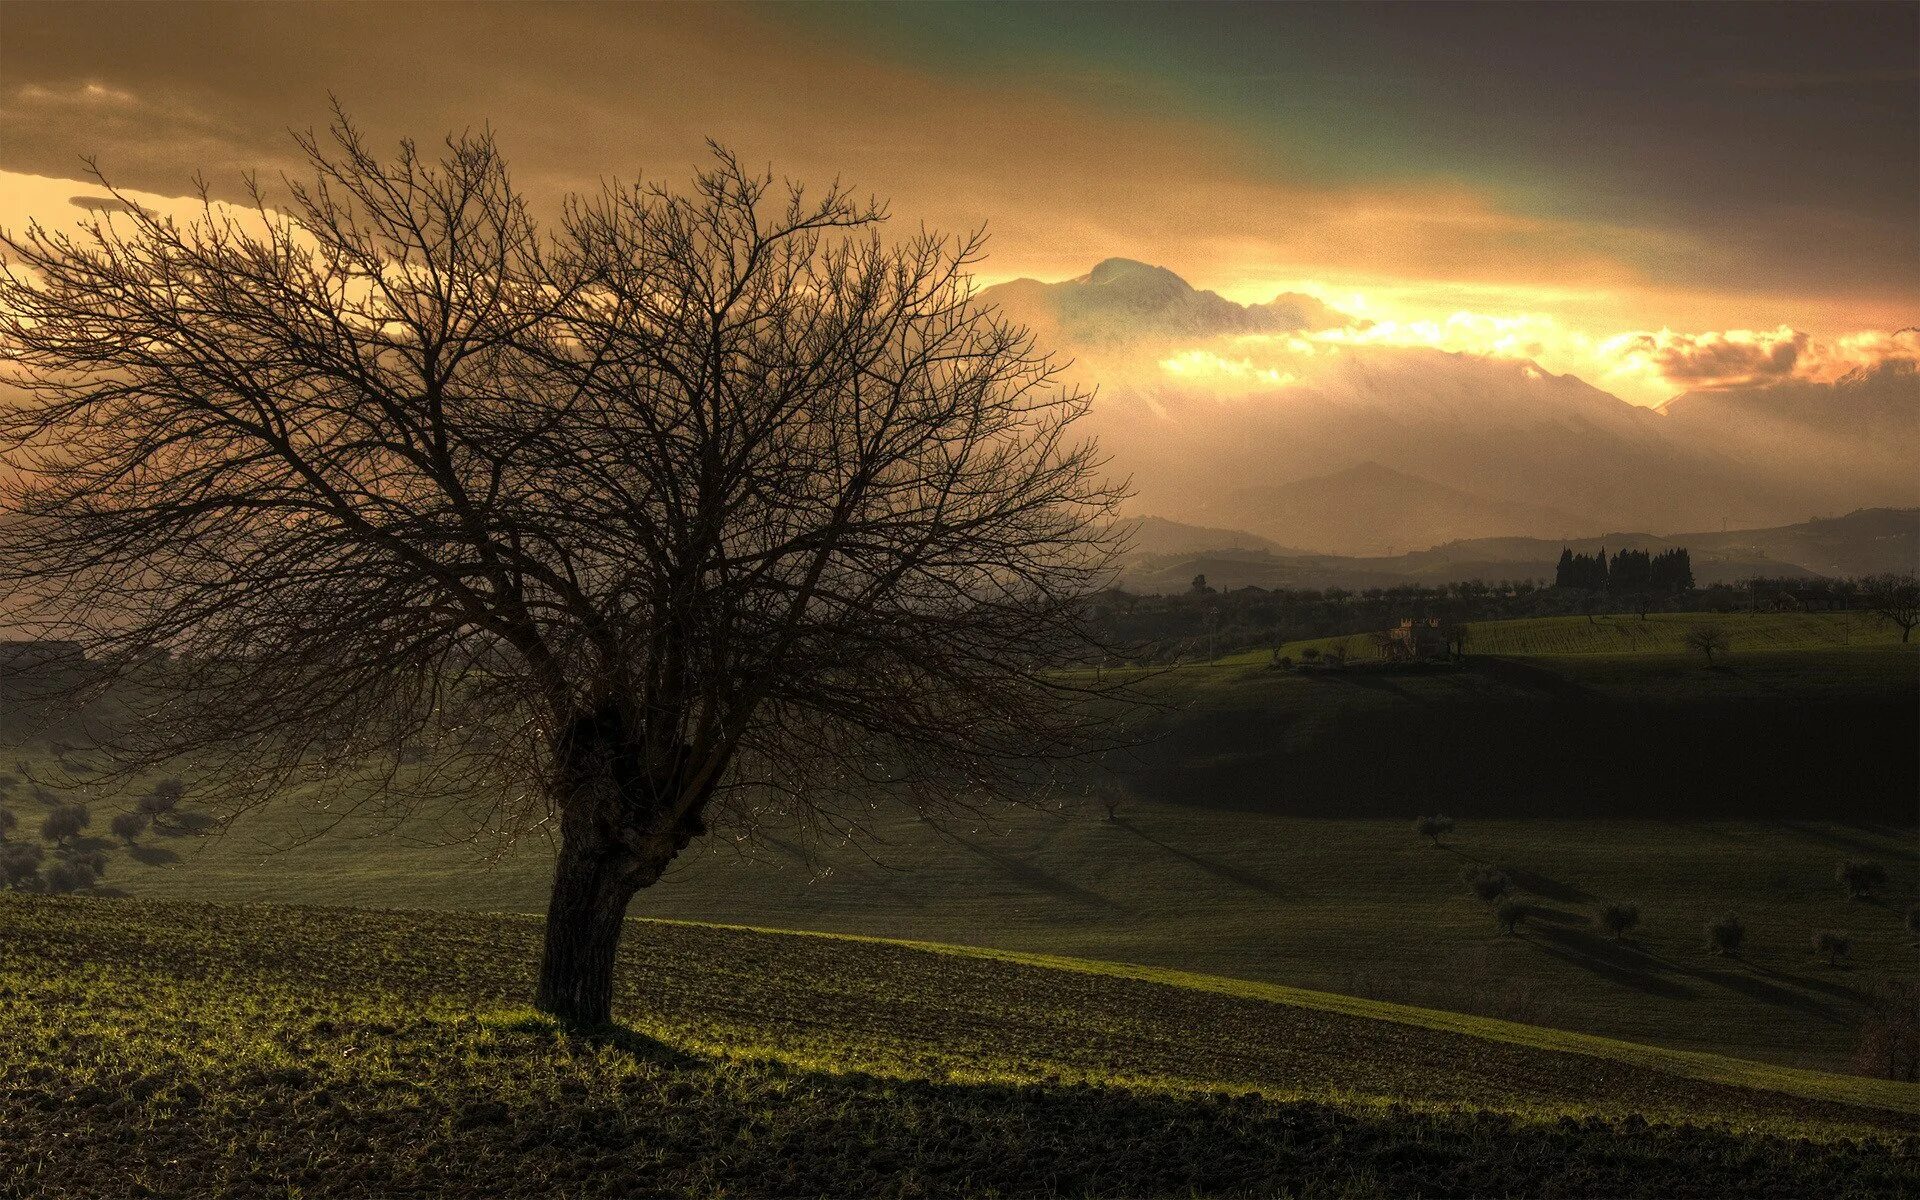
(1630, 571)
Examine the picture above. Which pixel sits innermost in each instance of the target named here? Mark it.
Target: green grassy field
(1656, 633)
(1267, 835)
(253, 1050)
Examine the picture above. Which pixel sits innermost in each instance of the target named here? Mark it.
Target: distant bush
(1488, 883)
(63, 877)
(162, 800)
(8, 823)
(1833, 946)
(1619, 919)
(1726, 935)
(1510, 914)
(1310, 655)
(1890, 1036)
(20, 866)
(129, 825)
(1860, 877)
(1434, 827)
(65, 821)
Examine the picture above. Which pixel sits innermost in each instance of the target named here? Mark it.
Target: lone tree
(1433, 828)
(1860, 877)
(1619, 919)
(128, 826)
(1831, 946)
(1510, 914)
(1726, 935)
(1708, 640)
(691, 511)
(1488, 883)
(65, 822)
(1894, 598)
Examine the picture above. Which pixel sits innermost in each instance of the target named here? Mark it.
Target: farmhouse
(1415, 638)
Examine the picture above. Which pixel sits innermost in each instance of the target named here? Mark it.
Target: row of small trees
(1727, 934)
(63, 860)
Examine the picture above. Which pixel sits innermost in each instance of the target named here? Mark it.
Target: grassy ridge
(254, 1050)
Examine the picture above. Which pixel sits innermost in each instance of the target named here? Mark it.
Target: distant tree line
(1664, 573)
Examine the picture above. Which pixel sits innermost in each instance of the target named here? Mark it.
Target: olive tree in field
(1860, 877)
(1726, 935)
(691, 512)
(1619, 919)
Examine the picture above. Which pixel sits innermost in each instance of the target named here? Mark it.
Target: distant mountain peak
(1112, 271)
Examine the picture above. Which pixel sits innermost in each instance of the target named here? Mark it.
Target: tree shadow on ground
(1373, 682)
(1036, 878)
(190, 824)
(1829, 987)
(1754, 987)
(1220, 870)
(152, 856)
(632, 1041)
(1536, 884)
(1531, 678)
(1851, 842)
(1613, 961)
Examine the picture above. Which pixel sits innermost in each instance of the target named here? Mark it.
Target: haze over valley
(1283, 420)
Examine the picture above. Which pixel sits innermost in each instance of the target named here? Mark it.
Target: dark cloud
(1709, 359)
(101, 204)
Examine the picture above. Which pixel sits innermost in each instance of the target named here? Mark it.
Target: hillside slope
(333, 1052)
(1266, 834)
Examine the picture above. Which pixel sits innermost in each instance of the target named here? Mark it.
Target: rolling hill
(1866, 542)
(1325, 510)
(1264, 833)
(246, 1050)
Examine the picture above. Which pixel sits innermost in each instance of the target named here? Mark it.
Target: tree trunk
(592, 885)
(618, 832)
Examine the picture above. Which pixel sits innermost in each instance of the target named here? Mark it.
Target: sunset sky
(1655, 197)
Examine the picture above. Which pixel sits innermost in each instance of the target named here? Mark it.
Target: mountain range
(1358, 450)
(1867, 542)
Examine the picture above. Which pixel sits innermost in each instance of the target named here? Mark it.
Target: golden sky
(1652, 197)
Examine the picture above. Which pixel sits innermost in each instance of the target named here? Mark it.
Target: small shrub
(1832, 946)
(1434, 827)
(1310, 655)
(1860, 877)
(1619, 919)
(65, 821)
(1511, 914)
(1488, 883)
(1726, 935)
(129, 825)
(8, 823)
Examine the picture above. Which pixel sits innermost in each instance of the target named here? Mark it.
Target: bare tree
(1708, 640)
(1895, 598)
(699, 511)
